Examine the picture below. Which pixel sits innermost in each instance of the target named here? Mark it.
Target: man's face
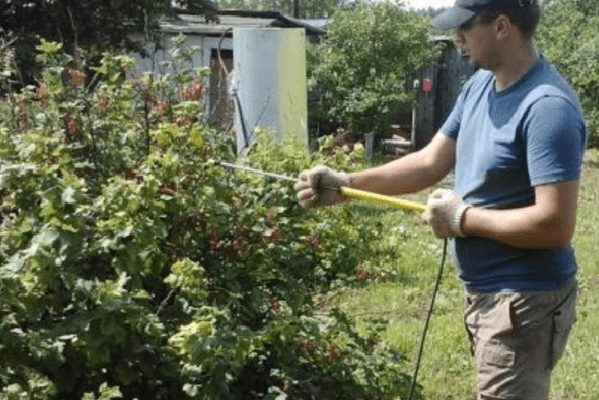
(477, 40)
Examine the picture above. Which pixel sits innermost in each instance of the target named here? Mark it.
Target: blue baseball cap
(464, 10)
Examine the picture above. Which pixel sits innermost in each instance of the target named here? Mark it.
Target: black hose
(426, 323)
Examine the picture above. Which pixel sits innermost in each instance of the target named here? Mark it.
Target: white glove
(444, 213)
(317, 187)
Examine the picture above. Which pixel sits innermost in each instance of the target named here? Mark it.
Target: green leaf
(46, 237)
(48, 47)
(109, 392)
(68, 196)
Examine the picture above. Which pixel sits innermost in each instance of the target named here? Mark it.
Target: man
(515, 138)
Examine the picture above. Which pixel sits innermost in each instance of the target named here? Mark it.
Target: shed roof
(442, 38)
(197, 25)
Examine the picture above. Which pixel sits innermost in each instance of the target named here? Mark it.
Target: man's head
(524, 14)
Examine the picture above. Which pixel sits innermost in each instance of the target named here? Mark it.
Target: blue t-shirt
(508, 142)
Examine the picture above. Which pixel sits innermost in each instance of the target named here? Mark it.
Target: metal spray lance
(344, 190)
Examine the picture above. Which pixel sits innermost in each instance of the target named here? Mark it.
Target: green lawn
(410, 249)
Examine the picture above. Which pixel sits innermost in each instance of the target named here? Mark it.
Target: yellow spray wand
(344, 190)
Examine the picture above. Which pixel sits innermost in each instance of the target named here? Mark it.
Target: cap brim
(452, 18)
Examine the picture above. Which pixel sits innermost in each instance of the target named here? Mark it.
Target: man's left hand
(445, 209)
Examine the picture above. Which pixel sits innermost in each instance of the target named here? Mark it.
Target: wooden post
(413, 128)
(296, 8)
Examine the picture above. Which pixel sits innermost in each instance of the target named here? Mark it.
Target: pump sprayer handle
(344, 190)
(382, 199)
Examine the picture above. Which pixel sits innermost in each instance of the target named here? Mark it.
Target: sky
(429, 3)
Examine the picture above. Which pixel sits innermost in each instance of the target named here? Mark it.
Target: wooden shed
(214, 40)
(439, 87)
(436, 87)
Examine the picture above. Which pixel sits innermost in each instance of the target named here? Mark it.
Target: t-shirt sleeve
(555, 141)
(451, 126)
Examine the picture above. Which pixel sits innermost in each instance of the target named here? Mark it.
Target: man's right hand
(317, 187)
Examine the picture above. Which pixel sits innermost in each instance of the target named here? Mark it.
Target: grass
(447, 372)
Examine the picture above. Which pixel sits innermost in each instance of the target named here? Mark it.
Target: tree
(307, 8)
(85, 24)
(363, 68)
(568, 37)
(587, 7)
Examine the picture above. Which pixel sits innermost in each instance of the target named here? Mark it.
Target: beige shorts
(517, 338)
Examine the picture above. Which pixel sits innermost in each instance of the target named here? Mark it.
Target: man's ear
(503, 26)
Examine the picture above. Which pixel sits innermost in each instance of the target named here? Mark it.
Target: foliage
(95, 26)
(131, 267)
(568, 37)
(307, 8)
(365, 65)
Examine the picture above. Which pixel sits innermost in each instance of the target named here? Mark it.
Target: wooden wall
(448, 77)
